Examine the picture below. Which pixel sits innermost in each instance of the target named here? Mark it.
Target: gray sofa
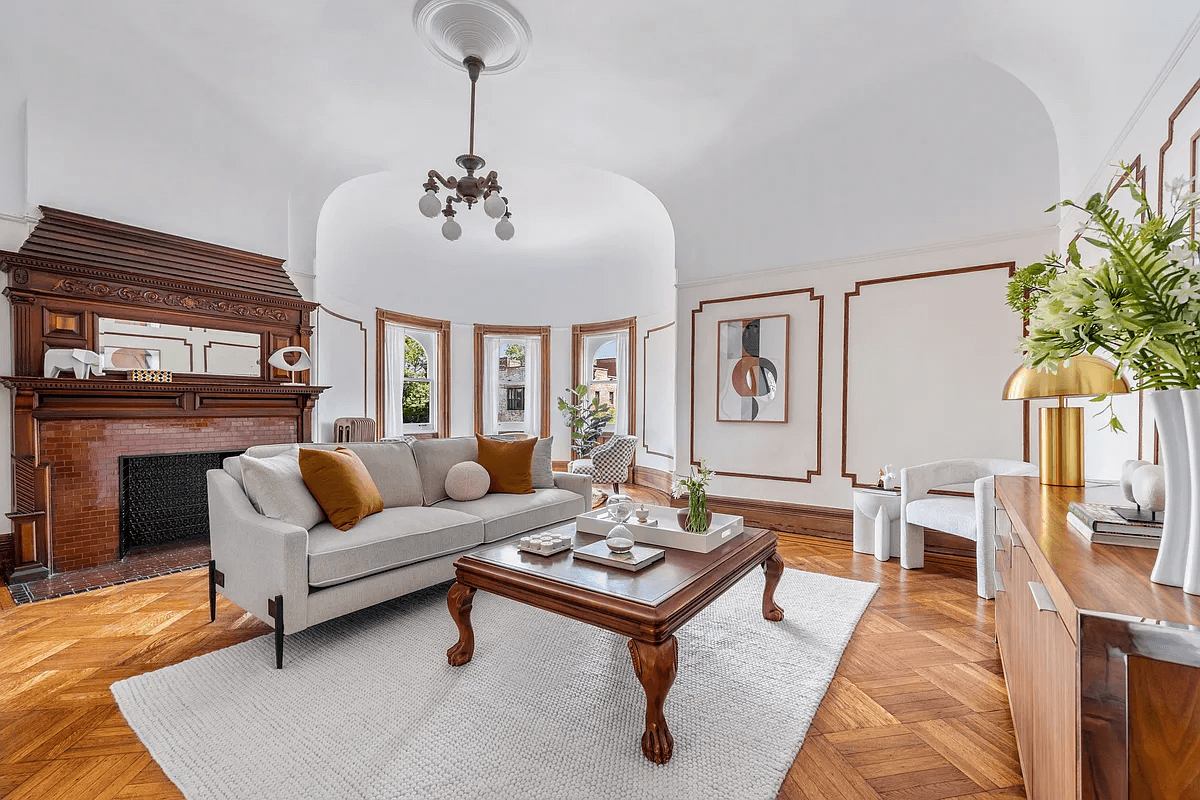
(292, 578)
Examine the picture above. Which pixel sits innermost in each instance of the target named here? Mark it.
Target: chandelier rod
(473, 64)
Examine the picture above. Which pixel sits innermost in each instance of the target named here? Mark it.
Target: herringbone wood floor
(917, 710)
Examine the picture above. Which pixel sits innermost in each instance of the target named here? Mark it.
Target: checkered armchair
(609, 463)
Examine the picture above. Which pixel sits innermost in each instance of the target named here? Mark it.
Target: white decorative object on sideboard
(80, 362)
(1168, 410)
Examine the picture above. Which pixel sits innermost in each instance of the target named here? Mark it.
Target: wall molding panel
(363, 328)
(924, 384)
(647, 397)
(798, 380)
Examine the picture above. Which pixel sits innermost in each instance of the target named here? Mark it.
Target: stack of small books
(1103, 525)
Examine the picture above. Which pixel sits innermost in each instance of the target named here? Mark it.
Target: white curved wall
(590, 245)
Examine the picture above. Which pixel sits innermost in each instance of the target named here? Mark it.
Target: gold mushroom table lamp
(1061, 434)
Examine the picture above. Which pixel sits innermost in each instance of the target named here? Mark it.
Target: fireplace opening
(164, 498)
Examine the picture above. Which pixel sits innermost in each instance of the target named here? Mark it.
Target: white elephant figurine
(81, 362)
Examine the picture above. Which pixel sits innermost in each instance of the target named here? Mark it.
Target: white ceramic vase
(1191, 417)
(1171, 563)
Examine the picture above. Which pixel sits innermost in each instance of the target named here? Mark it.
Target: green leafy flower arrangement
(1139, 305)
(694, 486)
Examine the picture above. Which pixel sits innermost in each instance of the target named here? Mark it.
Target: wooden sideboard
(1102, 666)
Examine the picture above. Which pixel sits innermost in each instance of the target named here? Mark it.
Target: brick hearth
(86, 480)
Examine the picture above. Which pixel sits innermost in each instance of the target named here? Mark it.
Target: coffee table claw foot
(655, 666)
(460, 599)
(773, 567)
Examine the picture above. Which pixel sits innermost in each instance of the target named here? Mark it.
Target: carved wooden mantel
(72, 271)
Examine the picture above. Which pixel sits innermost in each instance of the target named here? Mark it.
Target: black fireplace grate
(164, 497)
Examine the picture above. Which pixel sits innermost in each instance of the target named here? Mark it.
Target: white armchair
(969, 517)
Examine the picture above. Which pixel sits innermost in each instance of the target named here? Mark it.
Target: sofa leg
(212, 591)
(275, 609)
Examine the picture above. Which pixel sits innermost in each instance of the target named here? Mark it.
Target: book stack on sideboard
(1102, 665)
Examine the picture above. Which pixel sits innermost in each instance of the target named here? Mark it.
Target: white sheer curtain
(491, 384)
(533, 386)
(393, 375)
(625, 414)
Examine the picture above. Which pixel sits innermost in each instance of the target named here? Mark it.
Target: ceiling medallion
(473, 34)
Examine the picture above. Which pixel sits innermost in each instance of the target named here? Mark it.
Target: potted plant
(696, 517)
(1139, 304)
(586, 417)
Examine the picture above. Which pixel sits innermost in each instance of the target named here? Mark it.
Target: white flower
(1083, 227)
(1178, 184)
(1180, 253)
(1186, 292)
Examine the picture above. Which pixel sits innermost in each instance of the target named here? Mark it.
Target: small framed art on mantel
(752, 369)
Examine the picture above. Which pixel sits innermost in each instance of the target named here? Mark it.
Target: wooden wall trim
(1010, 266)
(543, 332)
(442, 328)
(580, 332)
(653, 478)
(1162, 151)
(363, 329)
(813, 297)
(822, 521)
(645, 344)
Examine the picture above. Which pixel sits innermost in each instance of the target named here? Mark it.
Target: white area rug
(366, 706)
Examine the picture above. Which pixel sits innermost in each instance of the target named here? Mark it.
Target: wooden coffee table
(647, 606)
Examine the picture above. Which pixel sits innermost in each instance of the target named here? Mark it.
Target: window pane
(511, 391)
(416, 402)
(416, 360)
(604, 379)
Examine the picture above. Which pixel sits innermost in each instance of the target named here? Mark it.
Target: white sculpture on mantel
(81, 362)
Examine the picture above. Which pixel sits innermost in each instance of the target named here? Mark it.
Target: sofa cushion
(277, 490)
(341, 484)
(435, 457)
(944, 513)
(392, 538)
(504, 515)
(467, 480)
(391, 464)
(543, 464)
(394, 470)
(509, 463)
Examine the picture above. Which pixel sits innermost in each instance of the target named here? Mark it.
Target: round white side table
(874, 512)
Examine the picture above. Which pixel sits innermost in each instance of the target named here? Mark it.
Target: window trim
(513, 331)
(579, 334)
(442, 328)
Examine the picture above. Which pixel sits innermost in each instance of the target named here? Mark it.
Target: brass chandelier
(470, 189)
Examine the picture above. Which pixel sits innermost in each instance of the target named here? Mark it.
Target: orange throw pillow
(509, 463)
(341, 485)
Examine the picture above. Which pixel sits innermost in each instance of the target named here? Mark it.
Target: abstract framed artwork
(752, 369)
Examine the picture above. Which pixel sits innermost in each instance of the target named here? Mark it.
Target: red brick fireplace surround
(69, 434)
(85, 515)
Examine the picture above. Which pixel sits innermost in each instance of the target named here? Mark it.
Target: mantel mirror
(130, 344)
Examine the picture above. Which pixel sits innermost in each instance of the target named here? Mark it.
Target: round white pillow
(467, 480)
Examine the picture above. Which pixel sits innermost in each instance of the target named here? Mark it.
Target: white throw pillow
(467, 480)
(276, 488)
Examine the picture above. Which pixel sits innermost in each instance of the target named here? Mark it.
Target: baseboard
(823, 521)
(652, 478)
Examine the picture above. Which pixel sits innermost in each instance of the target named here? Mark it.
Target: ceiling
(308, 94)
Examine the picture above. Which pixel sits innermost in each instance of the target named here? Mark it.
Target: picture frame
(753, 365)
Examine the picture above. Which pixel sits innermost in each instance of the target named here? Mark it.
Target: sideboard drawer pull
(1000, 548)
(999, 581)
(1041, 597)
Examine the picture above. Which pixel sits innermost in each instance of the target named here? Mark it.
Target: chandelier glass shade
(470, 189)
